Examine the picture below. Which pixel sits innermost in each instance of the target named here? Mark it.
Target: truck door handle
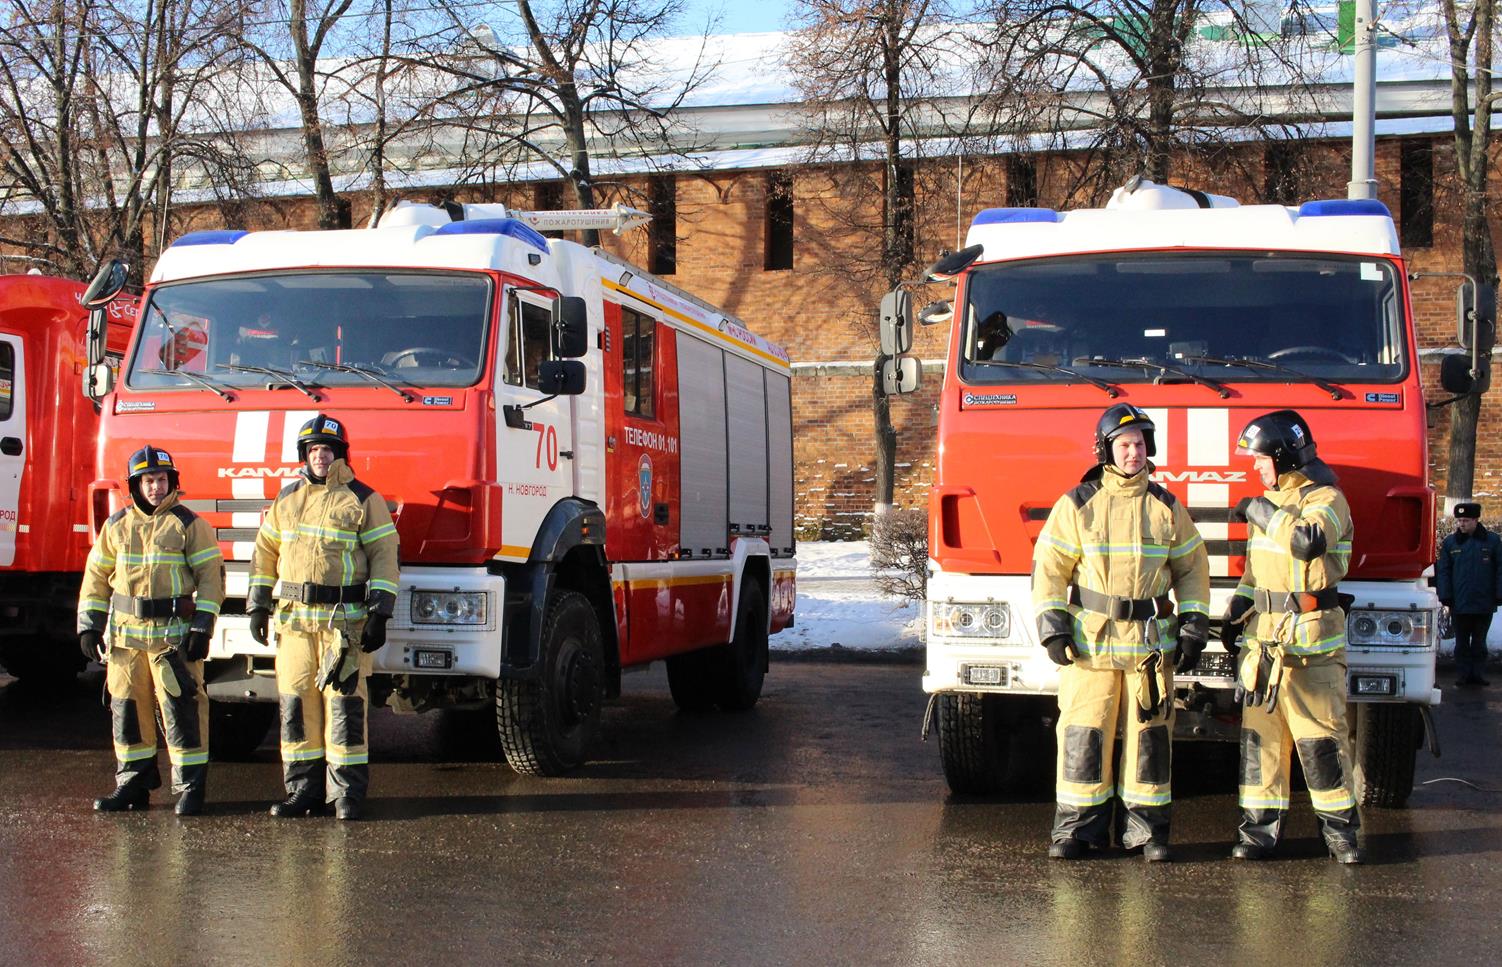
(11, 446)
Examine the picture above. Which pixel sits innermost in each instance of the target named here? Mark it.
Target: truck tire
(743, 662)
(237, 729)
(691, 680)
(1385, 740)
(994, 744)
(546, 723)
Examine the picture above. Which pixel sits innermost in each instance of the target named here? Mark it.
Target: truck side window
(636, 362)
(7, 380)
(529, 343)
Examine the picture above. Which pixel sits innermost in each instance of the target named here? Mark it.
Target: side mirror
(562, 377)
(901, 375)
(107, 283)
(570, 327)
(896, 322)
(936, 313)
(98, 381)
(1465, 314)
(1455, 374)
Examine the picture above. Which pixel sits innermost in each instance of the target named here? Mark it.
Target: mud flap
(1082, 754)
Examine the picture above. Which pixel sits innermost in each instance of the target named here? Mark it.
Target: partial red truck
(48, 430)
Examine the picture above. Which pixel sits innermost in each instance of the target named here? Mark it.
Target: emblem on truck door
(644, 485)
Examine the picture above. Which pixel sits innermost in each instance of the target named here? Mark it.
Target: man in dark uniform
(1468, 577)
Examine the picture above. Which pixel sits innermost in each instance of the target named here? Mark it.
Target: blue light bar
(497, 226)
(217, 236)
(1343, 206)
(998, 216)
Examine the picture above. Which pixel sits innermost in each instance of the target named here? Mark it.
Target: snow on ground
(839, 607)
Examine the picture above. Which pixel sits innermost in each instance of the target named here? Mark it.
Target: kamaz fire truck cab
(590, 469)
(1205, 313)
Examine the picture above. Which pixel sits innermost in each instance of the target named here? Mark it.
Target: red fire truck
(590, 468)
(47, 438)
(1206, 313)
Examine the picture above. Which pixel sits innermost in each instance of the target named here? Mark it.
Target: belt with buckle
(140, 607)
(1122, 609)
(1294, 602)
(309, 593)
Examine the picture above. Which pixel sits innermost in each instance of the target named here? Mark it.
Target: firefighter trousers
(323, 732)
(1094, 704)
(139, 681)
(1310, 718)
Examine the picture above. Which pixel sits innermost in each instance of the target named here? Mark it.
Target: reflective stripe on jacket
(336, 533)
(1121, 536)
(168, 553)
(1308, 513)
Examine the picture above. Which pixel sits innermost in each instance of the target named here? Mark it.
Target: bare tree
(1469, 28)
(563, 78)
(100, 106)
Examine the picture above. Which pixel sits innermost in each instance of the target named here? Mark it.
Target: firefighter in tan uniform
(155, 580)
(1292, 673)
(327, 556)
(1110, 554)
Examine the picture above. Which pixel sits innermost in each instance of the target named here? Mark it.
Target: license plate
(986, 675)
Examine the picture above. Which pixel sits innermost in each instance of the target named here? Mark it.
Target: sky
(736, 16)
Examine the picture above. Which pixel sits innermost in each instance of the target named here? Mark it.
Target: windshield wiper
(203, 381)
(1111, 391)
(1163, 370)
(373, 375)
(281, 376)
(1267, 367)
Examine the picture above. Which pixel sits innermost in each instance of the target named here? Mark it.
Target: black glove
(260, 619)
(374, 635)
(88, 643)
(1193, 631)
(1256, 511)
(1231, 623)
(195, 646)
(1061, 649)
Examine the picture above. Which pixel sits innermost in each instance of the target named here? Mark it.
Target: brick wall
(824, 308)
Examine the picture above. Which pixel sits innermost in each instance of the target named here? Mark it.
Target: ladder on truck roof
(618, 220)
(683, 294)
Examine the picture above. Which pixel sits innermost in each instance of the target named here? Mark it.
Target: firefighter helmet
(322, 429)
(1117, 420)
(1282, 435)
(150, 459)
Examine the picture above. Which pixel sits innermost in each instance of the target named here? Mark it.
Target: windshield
(1293, 317)
(318, 328)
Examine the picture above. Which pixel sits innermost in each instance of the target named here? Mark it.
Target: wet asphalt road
(815, 829)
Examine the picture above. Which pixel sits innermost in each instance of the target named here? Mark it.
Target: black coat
(1468, 574)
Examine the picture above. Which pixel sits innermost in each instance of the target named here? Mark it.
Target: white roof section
(1159, 217)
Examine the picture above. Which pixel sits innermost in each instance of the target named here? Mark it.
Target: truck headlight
(448, 607)
(1408, 629)
(966, 620)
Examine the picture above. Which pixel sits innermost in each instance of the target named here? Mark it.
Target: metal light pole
(1363, 182)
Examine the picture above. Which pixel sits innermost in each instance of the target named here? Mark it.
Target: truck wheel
(743, 662)
(1385, 740)
(43, 662)
(546, 724)
(237, 729)
(994, 743)
(690, 680)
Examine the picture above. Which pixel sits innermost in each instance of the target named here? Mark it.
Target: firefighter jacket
(1306, 547)
(155, 576)
(321, 539)
(1128, 541)
(1468, 573)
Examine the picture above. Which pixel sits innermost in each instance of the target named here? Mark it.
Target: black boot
(1066, 849)
(348, 808)
(1347, 853)
(306, 801)
(1155, 852)
(123, 799)
(191, 802)
(1250, 851)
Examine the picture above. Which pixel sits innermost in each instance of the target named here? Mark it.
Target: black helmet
(1118, 419)
(1282, 435)
(150, 459)
(322, 429)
